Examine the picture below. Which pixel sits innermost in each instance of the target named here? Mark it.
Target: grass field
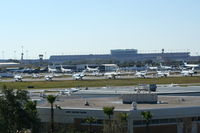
(100, 82)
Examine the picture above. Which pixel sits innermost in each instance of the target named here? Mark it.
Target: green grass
(100, 82)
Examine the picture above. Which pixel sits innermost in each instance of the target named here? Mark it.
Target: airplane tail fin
(192, 68)
(117, 70)
(83, 72)
(145, 71)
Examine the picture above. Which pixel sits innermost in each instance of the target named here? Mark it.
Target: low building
(174, 114)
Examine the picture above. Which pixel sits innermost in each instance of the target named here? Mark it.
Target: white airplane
(49, 77)
(18, 78)
(79, 76)
(92, 69)
(64, 92)
(112, 75)
(51, 70)
(189, 72)
(63, 70)
(141, 74)
(165, 67)
(74, 89)
(163, 73)
(151, 67)
(68, 91)
(190, 65)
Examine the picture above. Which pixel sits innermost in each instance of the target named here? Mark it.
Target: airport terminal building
(123, 55)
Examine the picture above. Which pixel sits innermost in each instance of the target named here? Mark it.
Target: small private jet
(141, 74)
(163, 73)
(51, 70)
(113, 74)
(189, 72)
(49, 77)
(64, 70)
(151, 67)
(79, 76)
(68, 91)
(89, 69)
(190, 65)
(165, 67)
(18, 78)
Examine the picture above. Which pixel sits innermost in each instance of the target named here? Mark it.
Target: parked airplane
(190, 65)
(189, 72)
(49, 77)
(74, 89)
(64, 92)
(92, 69)
(43, 70)
(151, 67)
(111, 75)
(51, 70)
(141, 74)
(163, 73)
(79, 76)
(18, 78)
(165, 67)
(63, 70)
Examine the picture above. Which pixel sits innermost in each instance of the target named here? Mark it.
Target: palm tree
(108, 111)
(122, 122)
(90, 120)
(147, 116)
(123, 116)
(51, 99)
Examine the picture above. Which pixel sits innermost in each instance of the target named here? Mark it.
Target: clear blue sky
(96, 26)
